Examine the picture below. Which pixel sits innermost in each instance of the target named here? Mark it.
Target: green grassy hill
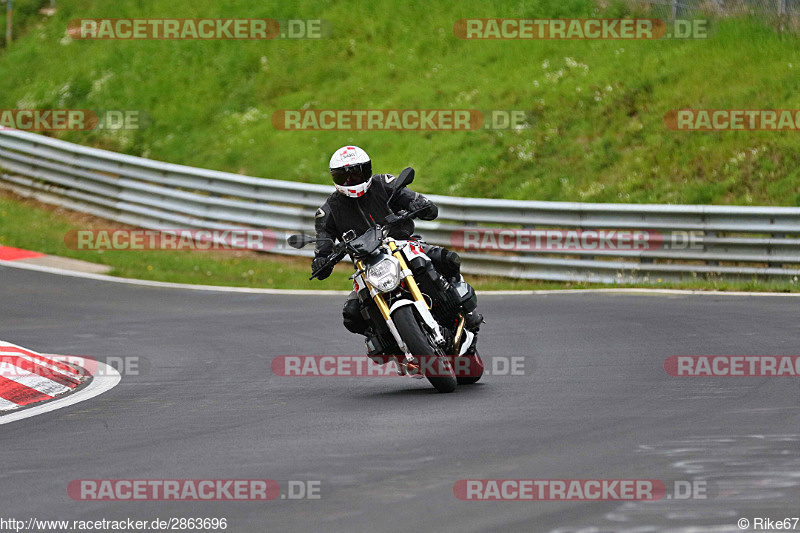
(599, 134)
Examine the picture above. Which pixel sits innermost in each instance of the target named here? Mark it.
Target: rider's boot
(462, 291)
(473, 321)
(376, 351)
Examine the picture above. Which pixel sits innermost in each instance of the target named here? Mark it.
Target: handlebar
(333, 259)
(401, 216)
(340, 248)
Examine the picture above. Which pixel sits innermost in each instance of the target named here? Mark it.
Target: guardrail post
(530, 227)
(769, 250)
(712, 234)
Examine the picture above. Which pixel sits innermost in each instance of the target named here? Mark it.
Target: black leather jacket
(341, 213)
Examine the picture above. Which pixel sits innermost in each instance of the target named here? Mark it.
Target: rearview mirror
(403, 180)
(298, 241)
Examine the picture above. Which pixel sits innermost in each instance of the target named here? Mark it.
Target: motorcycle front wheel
(405, 319)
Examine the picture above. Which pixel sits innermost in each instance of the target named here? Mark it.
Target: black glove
(419, 203)
(318, 263)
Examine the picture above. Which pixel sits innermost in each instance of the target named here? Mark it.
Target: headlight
(384, 275)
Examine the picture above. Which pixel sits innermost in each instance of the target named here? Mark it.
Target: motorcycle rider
(358, 203)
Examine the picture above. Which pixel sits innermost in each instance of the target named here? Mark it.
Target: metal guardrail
(731, 241)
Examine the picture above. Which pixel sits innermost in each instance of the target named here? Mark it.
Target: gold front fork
(379, 300)
(411, 283)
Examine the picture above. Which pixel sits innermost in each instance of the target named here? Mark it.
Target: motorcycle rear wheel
(475, 366)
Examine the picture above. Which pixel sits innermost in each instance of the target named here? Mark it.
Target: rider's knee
(351, 315)
(447, 262)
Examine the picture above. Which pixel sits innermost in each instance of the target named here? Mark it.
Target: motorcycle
(412, 323)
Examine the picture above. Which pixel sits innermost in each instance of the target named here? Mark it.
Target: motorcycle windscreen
(367, 243)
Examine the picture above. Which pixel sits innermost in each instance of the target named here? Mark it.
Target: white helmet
(351, 170)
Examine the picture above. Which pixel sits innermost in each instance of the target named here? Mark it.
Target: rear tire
(405, 319)
(475, 366)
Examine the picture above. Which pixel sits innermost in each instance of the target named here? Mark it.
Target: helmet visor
(352, 174)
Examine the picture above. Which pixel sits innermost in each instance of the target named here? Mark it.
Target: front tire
(405, 319)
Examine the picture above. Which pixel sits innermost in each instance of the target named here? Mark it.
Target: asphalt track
(595, 402)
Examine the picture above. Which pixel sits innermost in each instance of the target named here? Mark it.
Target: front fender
(426, 315)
